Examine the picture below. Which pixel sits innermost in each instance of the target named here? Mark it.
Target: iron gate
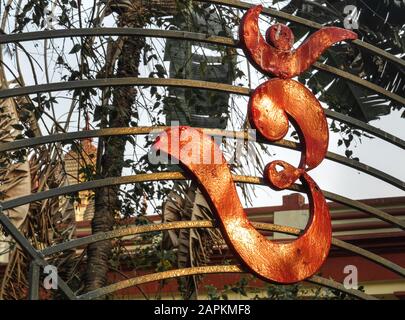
(39, 257)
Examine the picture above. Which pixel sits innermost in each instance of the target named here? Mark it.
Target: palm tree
(127, 52)
(380, 23)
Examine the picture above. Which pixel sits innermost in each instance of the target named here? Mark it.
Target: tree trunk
(107, 204)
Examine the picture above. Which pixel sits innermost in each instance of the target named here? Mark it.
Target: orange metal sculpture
(275, 56)
(271, 106)
(277, 101)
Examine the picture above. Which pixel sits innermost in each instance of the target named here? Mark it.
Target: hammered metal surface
(279, 262)
(275, 57)
(280, 36)
(271, 106)
(276, 101)
(282, 39)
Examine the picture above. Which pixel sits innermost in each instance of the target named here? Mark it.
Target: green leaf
(76, 48)
(60, 60)
(160, 70)
(153, 91)
(17, 126)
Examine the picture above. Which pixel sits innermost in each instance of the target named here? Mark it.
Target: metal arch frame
(39, 261)
(123, 232)
(225, 133)
(176, 176)
(38, 257)
(143, 130)
(195, 84)
(308, 23)
(34, 269)
(208, 270)
(157, 33)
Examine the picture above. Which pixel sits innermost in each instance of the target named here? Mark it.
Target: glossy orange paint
(274, 261)
(271, 107)
(277, 101)
(280, 36)
(275, 56)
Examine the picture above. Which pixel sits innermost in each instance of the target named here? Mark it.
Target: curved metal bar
(359, 81)
(106, 132)
(367, 169)
(128, 81)
(89, 185)
(356, 165)
(336, 285)
(180, 35)
(307, 23)
(157, 277)
(284, 144)
(122, 232)
(206, 270)
(148, 177)
(370, 256)
(116, 31)
(339, 244)
(366, 127)
(183, 83)
(358, 206)
(334, 197)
